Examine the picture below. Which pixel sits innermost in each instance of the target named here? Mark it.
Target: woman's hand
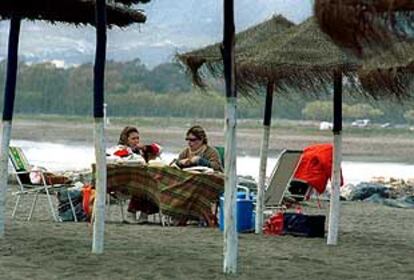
(184, 162)
(138, 147)
(189, 161)
(195, 160)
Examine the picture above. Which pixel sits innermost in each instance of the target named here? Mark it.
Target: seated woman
(129, 144)
(130, 138)
(198, 152)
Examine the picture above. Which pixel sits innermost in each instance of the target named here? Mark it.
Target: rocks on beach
(388, 191)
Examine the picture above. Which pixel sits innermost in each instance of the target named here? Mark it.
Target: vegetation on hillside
(166, 91)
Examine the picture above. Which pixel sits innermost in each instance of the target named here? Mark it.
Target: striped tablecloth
(178, 193)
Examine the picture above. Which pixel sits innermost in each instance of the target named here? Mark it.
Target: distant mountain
(172, 26)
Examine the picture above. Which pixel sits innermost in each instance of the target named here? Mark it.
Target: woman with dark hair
(130, 138)
(198, 152)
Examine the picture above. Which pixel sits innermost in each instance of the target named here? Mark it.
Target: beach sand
(375, 242)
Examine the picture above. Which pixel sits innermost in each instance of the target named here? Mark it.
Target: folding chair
(299, 190)
(119, 199)
(280, 178)
(22, 170)
(220, 150)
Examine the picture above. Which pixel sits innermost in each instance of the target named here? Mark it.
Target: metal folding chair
(22, 170)
(280, 178)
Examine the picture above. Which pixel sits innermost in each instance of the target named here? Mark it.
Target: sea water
(61, 157)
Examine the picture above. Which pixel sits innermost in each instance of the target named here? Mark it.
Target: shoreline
(361, 146)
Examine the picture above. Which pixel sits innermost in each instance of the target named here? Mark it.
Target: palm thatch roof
(357, 24)
(302, 58)
(69, 11)
(390, 72)
(245, 40)
(381, 32)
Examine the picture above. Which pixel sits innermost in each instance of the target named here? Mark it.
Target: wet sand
(375, 242)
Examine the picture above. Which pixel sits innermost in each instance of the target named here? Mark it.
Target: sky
(171, 27)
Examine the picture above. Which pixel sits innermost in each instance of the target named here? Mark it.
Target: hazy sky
(184, 24)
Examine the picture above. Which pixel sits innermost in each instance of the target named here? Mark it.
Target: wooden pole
(99, 132)
(337, 159)
(9, 96)
(230, 231)
(264, 150)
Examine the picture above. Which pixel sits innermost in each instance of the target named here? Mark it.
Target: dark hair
(198, 132)
(123, 138)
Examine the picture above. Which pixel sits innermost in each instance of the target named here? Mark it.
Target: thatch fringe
(192, 65)
(314, 81)
(394, 82)
(374, 30)
(361, 24)
(302, 59)
(207, 62)
(69, 11)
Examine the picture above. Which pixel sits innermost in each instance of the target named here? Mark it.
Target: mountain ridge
(171, 28)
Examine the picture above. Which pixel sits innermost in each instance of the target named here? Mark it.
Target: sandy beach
(375, 242)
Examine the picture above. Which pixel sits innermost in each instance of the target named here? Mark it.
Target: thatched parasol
(302, 58)
(69, 11)
(77, 12)
(390, 72)
(210, 56)
(356, 24)
(298, 57)
(367, 28)
(305, 59)
(379, 31)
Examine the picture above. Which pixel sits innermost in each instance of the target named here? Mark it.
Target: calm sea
(60, 157)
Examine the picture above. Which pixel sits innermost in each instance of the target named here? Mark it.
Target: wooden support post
(9, 96)
(230, 231)
(264, 150)
(99, 132)
(337, 159)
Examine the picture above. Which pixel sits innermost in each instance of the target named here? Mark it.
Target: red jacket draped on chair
(315, 166)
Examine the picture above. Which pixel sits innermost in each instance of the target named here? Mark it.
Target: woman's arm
(211, 159)
(183, 160)
(183, 154)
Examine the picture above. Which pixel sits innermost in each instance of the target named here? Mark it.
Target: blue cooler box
(245, 216)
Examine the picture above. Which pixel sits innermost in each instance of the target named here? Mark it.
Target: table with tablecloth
(178, 193)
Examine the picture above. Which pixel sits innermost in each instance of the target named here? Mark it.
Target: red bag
(88, 195)
(274, 225)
